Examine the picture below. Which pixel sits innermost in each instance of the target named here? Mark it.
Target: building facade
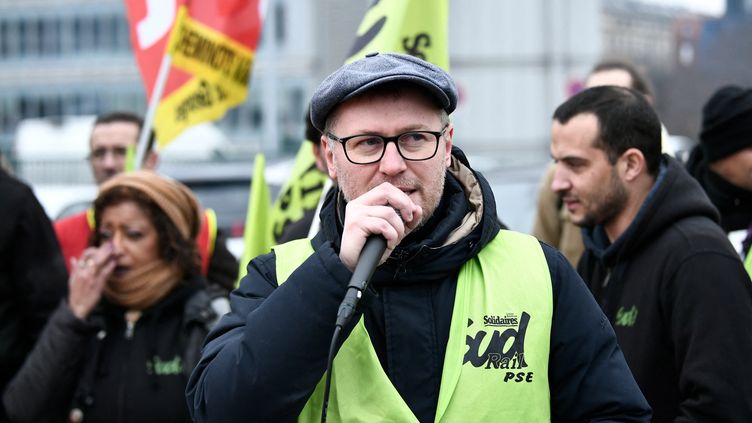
(513, 62)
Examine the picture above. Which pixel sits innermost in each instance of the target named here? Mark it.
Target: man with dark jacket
(655, 258)
(462, 321)
(722, 161)
(33, 278)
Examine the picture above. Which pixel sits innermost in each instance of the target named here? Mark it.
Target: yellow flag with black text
(210, 46)
(415, 27)
(301, 192)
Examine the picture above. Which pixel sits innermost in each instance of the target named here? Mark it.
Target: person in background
(122, 345)
(461, 322)
(32, 274)
(655, 259)
(309, 222)
(722, 161)
(111, 136)
(552, 224)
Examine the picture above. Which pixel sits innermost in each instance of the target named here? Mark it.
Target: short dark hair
(120, 116)
(129, 117)
(625, 120)
(640, 83)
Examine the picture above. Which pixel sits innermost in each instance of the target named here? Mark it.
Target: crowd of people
(130, 312)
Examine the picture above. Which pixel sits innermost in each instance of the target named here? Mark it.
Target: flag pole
(156, 96)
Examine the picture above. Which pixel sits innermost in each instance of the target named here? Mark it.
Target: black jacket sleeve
(33, 278)
(43, 387)
(589, 378)
(709, 304)
(265, 357)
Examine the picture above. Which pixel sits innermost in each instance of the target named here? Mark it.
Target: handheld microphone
(370, 255)
(367, 261)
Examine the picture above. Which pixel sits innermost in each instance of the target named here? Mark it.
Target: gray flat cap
(376, 69)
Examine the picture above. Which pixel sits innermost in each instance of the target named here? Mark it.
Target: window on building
(77, 104)
(87, 104)
(51, 37)
(280, 30)
(256, 115)
(77, 28)
(3, 39)
(51, 106)
(122, 34)
(28, 107)
(22, 31)
(83, 34)
(8, 117)
(100, 34)
(35, 37)
(11, 38)
(105, 33)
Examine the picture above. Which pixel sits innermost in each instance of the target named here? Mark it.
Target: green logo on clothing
(164, 367)
(626, 318)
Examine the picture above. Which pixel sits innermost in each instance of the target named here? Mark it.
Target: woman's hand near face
(87, 279)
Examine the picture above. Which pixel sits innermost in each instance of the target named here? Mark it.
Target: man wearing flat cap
(722, 161)
(461, 321)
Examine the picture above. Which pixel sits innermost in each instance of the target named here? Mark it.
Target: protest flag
(257, 237)
(300, 193)
(415, 27)
(195, 59)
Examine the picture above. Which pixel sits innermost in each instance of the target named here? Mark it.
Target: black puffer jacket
(265, 357)
(33, 278)
(112, 373)
(680, 302)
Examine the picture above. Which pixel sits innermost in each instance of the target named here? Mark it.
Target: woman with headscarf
(122, 345)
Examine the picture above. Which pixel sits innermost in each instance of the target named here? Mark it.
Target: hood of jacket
(733, 203)
(674, 196)
(462, 224)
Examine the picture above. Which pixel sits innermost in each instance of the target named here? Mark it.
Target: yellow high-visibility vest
(496, 362)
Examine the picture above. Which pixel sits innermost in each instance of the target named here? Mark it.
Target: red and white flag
(211, 44)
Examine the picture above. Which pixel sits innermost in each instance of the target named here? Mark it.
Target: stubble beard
(614, 199)
(431, 192)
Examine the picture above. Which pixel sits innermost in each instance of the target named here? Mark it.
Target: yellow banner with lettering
(220, 69)
(415, 27)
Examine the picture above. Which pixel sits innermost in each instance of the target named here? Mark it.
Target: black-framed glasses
(413, 145)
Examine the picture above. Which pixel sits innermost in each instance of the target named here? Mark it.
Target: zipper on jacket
(399, 257)
(607, 278)
(131, 317)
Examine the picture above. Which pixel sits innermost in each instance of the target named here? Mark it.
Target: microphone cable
(369, 258)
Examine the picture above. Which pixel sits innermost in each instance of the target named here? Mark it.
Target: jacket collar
(675, 195)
